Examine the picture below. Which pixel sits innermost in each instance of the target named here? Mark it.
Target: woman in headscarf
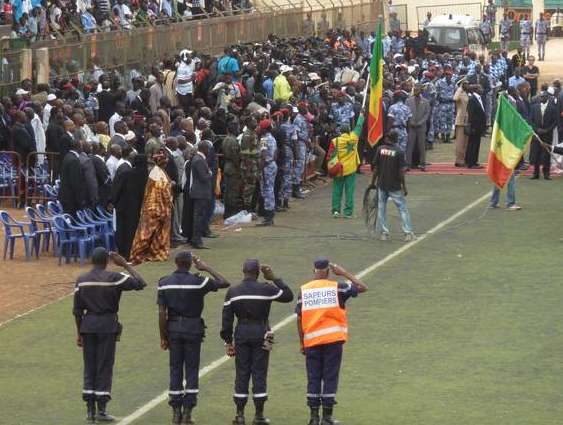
(152, 239)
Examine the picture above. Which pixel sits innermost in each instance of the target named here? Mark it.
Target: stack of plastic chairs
(14, 230)
(72, 240)
(8, 177)
(42, 227)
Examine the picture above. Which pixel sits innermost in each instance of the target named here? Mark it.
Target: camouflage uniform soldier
(525, 33)
(249, 164)
(287, 166)
(445, 110)
(300, 148)
(504, 27)
(400, 115)
(269, 169)
(541, 35)
(231, 170)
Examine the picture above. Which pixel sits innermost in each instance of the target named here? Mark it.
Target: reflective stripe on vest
(322, 319)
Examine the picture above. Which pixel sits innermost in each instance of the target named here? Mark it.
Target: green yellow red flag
(510, 139)
(375, 112)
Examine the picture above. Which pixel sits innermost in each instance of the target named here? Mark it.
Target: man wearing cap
(290, 135)
(180, 301)
(323, 329)
(250, 302)
(505, 28)
(300, 147)
(249, 171)
(445, 112)
(96, 303)
(400, 114)
(51, 98)
(282, 89)
(526, 31)
(268, 170)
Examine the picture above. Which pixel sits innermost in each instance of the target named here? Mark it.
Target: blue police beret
(184, 256)
(321, 263)
(251, 265)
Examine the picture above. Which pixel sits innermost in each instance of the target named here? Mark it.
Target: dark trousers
(184, 355)
(185, 101)
(472, 152)
(98, 351)
(540, 158)
(232, 195)
(251, 360)
(323, 366)
(200, 208)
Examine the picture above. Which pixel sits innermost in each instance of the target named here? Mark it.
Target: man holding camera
(323, 329)
(250, 302)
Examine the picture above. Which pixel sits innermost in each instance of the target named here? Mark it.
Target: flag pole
(366, 92)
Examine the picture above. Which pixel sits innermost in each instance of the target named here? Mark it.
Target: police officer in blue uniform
(250, 303)
(269, 170)
(180, 301)
(96, 303)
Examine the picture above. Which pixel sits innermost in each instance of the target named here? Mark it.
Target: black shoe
(239, 420)
(546, 178)
(187, 417)
(327, 417)
(296, 193)
(535, 178)
(102, 415)
(457, 164)
(280, 209)
(199, 246)
(176, 415)
(314, 420)
(266, 222)
(260, 420)
(90, 412)
(211, 235)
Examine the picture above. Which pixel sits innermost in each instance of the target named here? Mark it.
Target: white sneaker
(335, 214)
(514, 207)
(384, 237)
(409, 237)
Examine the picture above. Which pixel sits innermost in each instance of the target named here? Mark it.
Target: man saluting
(323, 330)
(96, 303)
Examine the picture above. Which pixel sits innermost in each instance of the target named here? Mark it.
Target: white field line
(219, 362)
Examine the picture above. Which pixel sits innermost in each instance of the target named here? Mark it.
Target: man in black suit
(125, 231)
(22, 141)
(72, 191)
(200, 194)
(477, 122)
(67, 139)
(4, 130)
(89, 172)
(102, 174)
(544, 117)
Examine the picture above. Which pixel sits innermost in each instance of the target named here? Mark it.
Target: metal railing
(139, 48)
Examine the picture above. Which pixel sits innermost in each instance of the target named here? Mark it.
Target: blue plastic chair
(10, 236)
(71, 240)
(43, 213)
(54, 208)
(42, 229)
(103, 232)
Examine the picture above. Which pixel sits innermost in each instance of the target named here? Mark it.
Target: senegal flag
(510, 138)
(375, 115)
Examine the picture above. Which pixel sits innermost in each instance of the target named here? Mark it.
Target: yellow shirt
(347, 148)
(282, 89)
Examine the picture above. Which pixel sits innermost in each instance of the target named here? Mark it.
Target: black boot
(187, 416)
(91, 412)
(268, 219)
(327, 417)
(176, 415)
(239, 418)
(315, 420)
(259, 418)
(102, 415)
(296, 193)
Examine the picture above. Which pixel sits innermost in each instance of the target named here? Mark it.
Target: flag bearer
(323, 330)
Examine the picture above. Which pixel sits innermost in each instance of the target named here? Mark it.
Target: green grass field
(462, 328)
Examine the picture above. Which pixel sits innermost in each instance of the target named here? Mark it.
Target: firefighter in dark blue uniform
(180, 301)
(96, 303)
(250, 302)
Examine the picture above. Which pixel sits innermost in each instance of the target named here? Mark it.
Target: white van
(455, 34)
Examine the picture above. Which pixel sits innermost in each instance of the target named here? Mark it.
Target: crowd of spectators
(300, 93)
(42, 19)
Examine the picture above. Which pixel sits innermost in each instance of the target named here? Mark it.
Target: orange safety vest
(322, 319)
